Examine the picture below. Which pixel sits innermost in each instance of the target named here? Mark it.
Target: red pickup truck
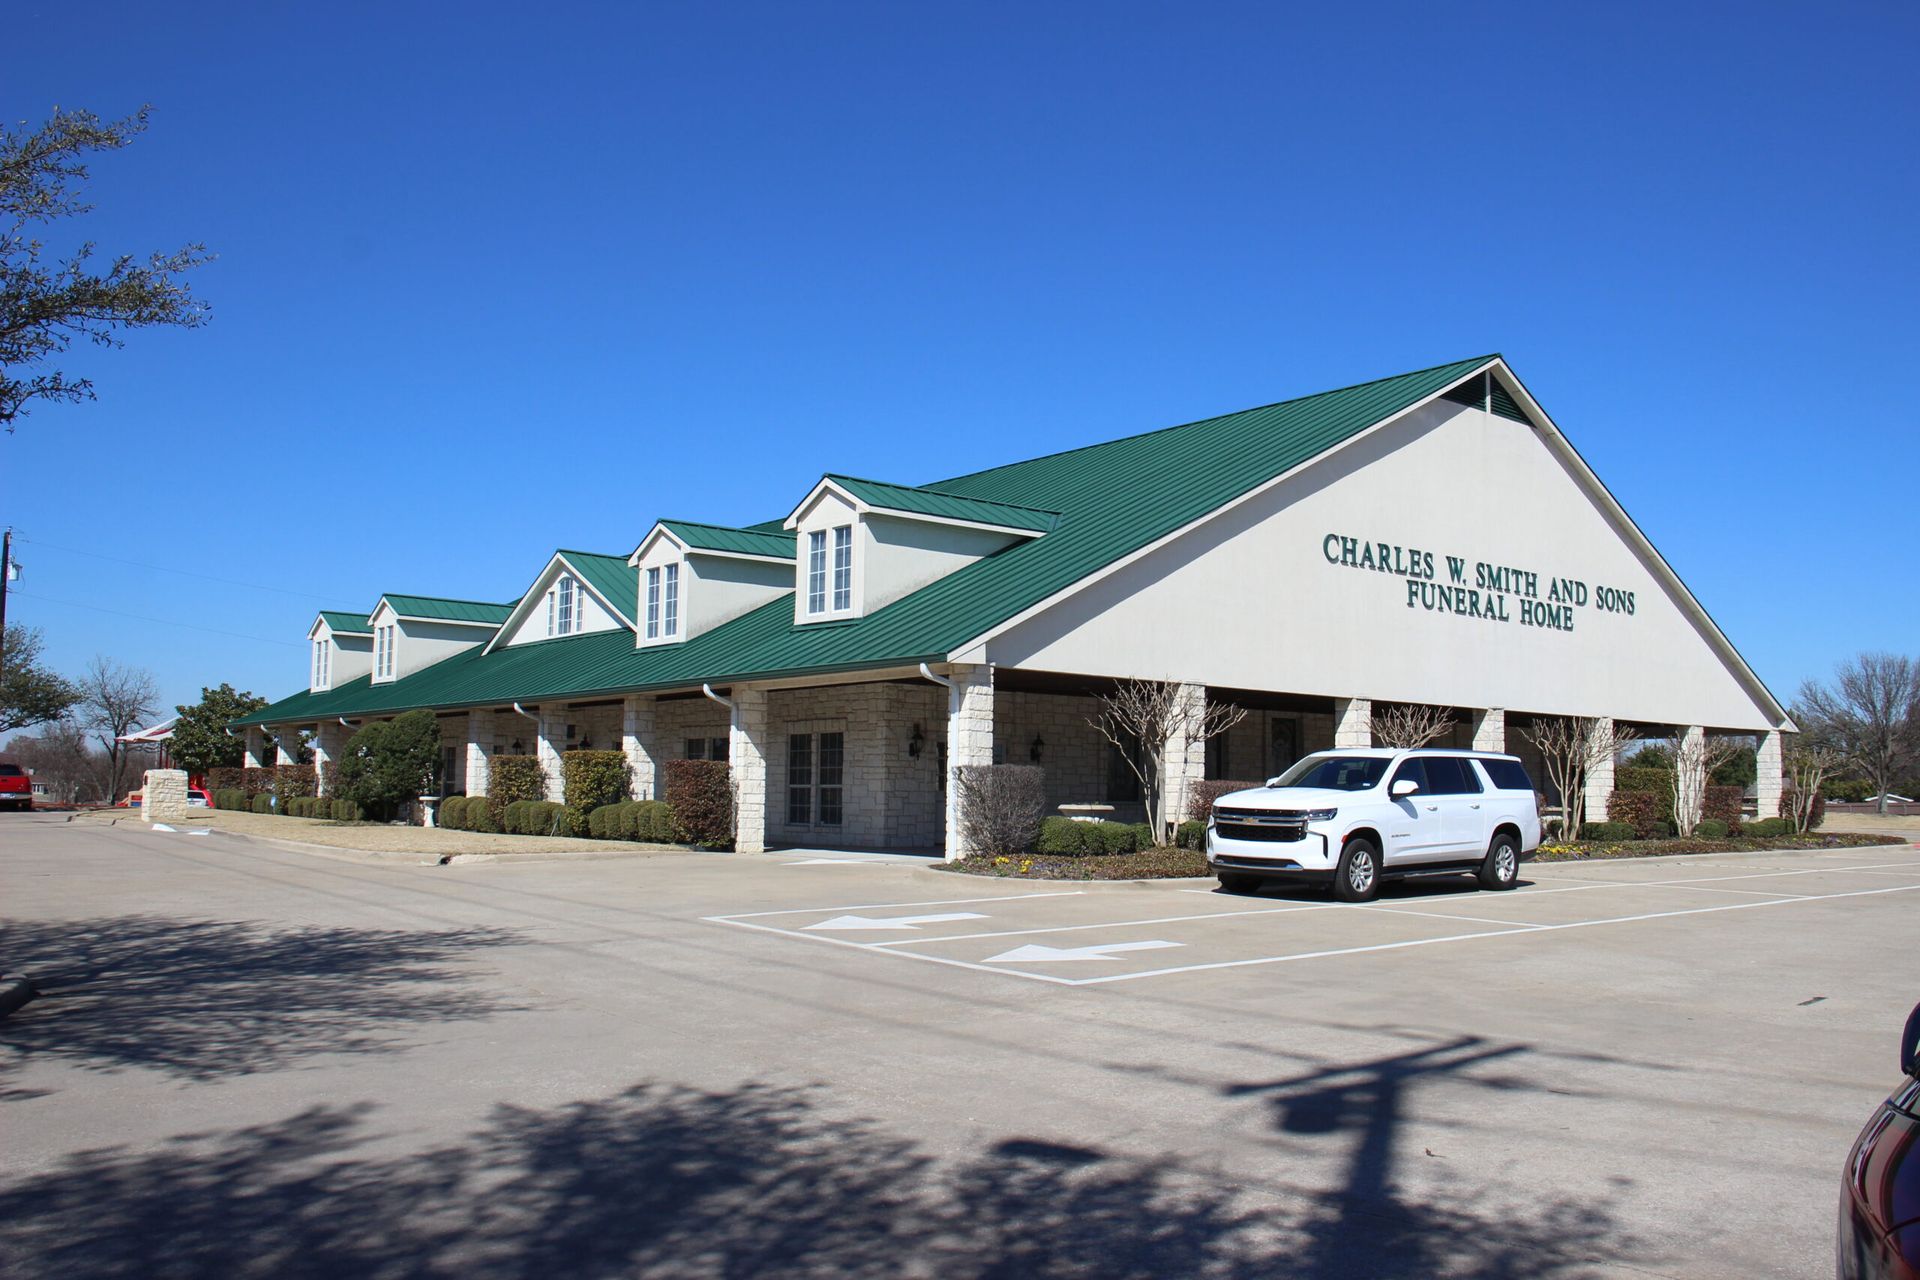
(16, 788)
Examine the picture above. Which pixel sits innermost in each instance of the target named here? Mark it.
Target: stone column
(636, 740)
(747, 762)
(329, 743)
(1769, 773)
(1184, 761)
(163, 795)
(1599, 785)
(281, 753)
(256, 746)
(969, 740)
(479, 751)
(1352, 722)
(552, 737)
(1490, 730)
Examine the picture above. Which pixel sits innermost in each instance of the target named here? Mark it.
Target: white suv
(1354, 818)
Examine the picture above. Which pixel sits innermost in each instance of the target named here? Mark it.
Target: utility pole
(6, 576)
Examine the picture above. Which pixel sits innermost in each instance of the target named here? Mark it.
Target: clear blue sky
(496, 279)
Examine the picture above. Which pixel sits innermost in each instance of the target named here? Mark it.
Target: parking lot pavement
(256, 1061)
(1079, 936)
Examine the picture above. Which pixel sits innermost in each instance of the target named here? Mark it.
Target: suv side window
(1451, 777)
(1507, 775)
(1413, 770)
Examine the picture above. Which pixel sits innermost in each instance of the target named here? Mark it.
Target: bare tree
(1143, 718)
(1695, 757)
(59, 757)
(1572, 748)
(1409, 724)
(1870, 715)
(114, 701)
(1807, 768)
(1001, 806)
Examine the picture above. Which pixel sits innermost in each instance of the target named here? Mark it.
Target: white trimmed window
(563, 607)
(567, 604)
(671, 610)
(653, 604)
(321, 662)
(816, 772)
(383, 652)
(843, 568)
(817, 571)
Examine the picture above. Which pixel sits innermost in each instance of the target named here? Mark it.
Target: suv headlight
(1322, 815)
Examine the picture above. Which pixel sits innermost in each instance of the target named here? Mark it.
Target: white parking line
(878, 906)
(1114, 924)
(1468, 937)
(1442, 915)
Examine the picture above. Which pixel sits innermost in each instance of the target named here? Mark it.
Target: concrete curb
(15, 992)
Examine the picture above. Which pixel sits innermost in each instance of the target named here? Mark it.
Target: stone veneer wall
(889, 799)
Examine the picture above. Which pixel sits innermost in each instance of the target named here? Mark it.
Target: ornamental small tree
(390, 762)
(200, 742)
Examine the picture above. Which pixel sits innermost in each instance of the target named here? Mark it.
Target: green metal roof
(921, 500)
(616, 581)
(349, 623)
(1113, 499)
(714, 537)
(448, 610)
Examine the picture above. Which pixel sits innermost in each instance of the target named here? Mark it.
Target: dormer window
(383, 652)
(663, 601)
(672, 607)
(842, 580)
(321, 662)
(563, 607)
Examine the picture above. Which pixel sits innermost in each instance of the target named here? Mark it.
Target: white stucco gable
(546, 607)
(1449, 556)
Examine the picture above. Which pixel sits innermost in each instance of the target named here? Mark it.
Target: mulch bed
(1587, 851)
(1149, 864)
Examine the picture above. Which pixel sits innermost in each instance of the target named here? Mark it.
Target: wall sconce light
(586, 744)
(917, 743)
(1039, 745)
(517, 748)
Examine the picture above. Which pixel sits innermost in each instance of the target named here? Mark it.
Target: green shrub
(1640, 810)
(291, 781)
(1001, 806)
(593, 779)
(390, 763)
(230, 798)
(1191, 835)
(511, 779)
(700, 795)
(233, 778)
(598, 820)
(1711, 829)
(648, 821)
(347, 811)
(1066, 836)
(1768, 828)
(263, 803)
(479, 816)
(256, 781)
(1201, 795)
(1608, 832)
(453, 813)
(1842, 791)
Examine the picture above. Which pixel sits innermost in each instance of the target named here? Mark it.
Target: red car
(16, 788)
(1880, 1205)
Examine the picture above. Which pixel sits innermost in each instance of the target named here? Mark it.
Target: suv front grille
(1268, 825)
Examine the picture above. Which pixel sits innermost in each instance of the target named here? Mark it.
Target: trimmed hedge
(1767, 828)
(649, 821)
(347, 811)
(1608, 832)
(262, 803)
(511, 779)
(1723, 804)
(452, 813)
(1641, 810)
(1067, 836)
(593, 779)
(478, 816)
(1711, 829)
(1201, 795)
(230, 798)
(700, 794)
(539, 818)
(227, 778)
(1191, 835)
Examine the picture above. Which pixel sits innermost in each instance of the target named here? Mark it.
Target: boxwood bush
(1711, 829)
(700, 794)
(1066, 836)
(479, 816)
(453, 813)
(511, 779)
(593, 779)
(347, 811)
(648, 821)
(1191, 835)
(1608, 832)
(263, 803)
(1769, 828)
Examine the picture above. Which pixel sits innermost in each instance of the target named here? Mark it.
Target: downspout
(725, 702)
(927, 671)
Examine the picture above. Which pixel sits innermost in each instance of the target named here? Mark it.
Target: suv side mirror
(1910, 1044)
(1404, 787)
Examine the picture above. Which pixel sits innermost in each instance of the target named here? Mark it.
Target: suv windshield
(1335, 773)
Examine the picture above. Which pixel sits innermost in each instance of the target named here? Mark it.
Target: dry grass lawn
(378, 838)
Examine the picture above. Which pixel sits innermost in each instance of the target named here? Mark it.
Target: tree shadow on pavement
(673, 1183)
(213, 998)
(1374, 1226)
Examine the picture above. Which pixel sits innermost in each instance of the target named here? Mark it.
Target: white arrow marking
(161, 826)
(1039, 954)
(895, 922)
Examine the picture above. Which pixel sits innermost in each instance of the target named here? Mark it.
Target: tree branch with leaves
(48, 301)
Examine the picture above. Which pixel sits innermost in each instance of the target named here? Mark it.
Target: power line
(165, 622)
(185, 573)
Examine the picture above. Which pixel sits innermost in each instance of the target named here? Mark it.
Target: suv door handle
(1476, 806)
(1432, 808)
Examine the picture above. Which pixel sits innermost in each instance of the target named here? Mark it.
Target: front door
(1416, 831)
